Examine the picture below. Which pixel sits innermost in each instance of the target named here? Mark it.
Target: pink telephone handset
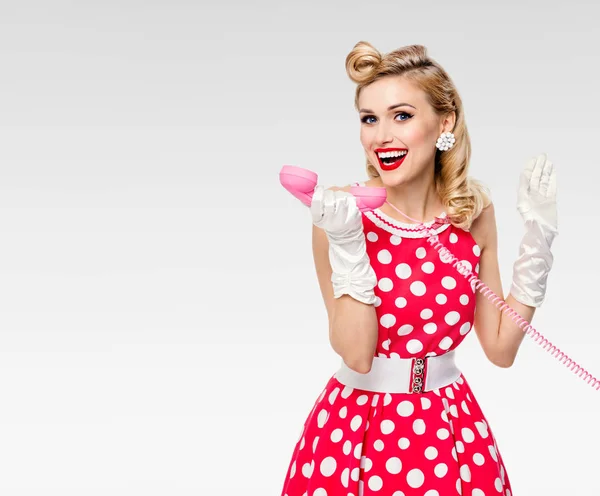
(301, 183)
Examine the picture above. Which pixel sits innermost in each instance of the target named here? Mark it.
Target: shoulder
(483, 227)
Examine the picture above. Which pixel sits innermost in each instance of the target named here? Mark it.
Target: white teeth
(392, 154)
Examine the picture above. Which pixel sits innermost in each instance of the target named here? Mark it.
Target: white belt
(403, 375)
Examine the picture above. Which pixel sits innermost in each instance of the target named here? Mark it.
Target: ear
(448, 122)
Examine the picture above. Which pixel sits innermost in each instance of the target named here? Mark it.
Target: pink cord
(503, 306)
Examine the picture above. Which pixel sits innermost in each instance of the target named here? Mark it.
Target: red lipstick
(390, 164)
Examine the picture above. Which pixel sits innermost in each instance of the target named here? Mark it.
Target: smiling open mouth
(391, 159)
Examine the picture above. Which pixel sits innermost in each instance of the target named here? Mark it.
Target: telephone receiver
(302, 182)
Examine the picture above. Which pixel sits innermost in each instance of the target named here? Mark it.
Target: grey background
(161, 326)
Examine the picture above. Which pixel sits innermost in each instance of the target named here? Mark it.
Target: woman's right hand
(335, 211)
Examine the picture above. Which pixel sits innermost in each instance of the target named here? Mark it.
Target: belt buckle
(417, 375)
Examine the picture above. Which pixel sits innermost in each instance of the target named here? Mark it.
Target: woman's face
(399, 129)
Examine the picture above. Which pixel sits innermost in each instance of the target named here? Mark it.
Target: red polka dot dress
(357, 442)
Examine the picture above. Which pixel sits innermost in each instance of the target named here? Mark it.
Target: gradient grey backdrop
(161, 326)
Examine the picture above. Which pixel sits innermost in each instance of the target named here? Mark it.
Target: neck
(418, 200)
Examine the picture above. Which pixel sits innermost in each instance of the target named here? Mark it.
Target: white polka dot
(431, 453)
(425, 403)
(426, 313)
(322, 418)
(465, 473)
(465, 328)
(482, 428)
(419, 427)
(449, 282)
(393, 465)
(358, 451)
(445, 256)
(460, 447)
(387, 426)
(387, 399)
(454, 411)
(464, 299)
(418, 288)
(458, 487)
(464, 407)
(333, 395)
(478, 459)
(346, 392)
(415, 478)
(432, 492)
(467, 435)
(476, 250)
(493, 453)
(452, 317)
(467, 264)
(375, 483)
(441, 469)
(443, 434)
(386, 345)
(337, 435)
(449, 393)
(414, 346)
(421, 252)
(398, 493)
(307, 469)
(441, 298)
(371, 236)
(385, 284)
(356, 422)
(400, 302)
(347, 448)
(403, 443)
(428, 267)
(355, 474)
(478, 492)
(378, 445)
(320, 492)
(445, 343)
(498, 485)
(405, 330)
(430, 327)
(395, 240)
(453, 238)
(444, 415)
(345, 476)
(362, 399)
(328, 466)
(405, 408)
(384, 257)
(387, 320)
(343, 412)
(477, 269)
(403, 271)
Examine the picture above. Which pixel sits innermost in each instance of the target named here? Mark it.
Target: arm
(498, 333)
(353, 325)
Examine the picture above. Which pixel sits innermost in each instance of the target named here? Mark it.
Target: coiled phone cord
(525, 326)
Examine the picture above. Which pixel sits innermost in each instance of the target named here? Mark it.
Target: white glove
(337, 214)
(536, 203)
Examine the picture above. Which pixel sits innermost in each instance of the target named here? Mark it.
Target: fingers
(536, 173)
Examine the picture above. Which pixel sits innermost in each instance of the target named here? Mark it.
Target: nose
(383, 134)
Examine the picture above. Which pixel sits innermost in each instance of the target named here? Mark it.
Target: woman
(399, 418)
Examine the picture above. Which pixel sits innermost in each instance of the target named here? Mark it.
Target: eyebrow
(391, 107)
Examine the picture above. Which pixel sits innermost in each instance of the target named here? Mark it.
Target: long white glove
(536, 203)
(337, 214)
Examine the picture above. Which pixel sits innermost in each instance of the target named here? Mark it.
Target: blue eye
(366, 118)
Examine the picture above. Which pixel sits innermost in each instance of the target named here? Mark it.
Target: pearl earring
(445, 141)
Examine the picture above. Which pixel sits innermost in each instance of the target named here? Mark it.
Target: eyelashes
(408, 116)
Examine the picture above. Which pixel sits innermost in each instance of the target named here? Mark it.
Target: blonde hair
(463, 197)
